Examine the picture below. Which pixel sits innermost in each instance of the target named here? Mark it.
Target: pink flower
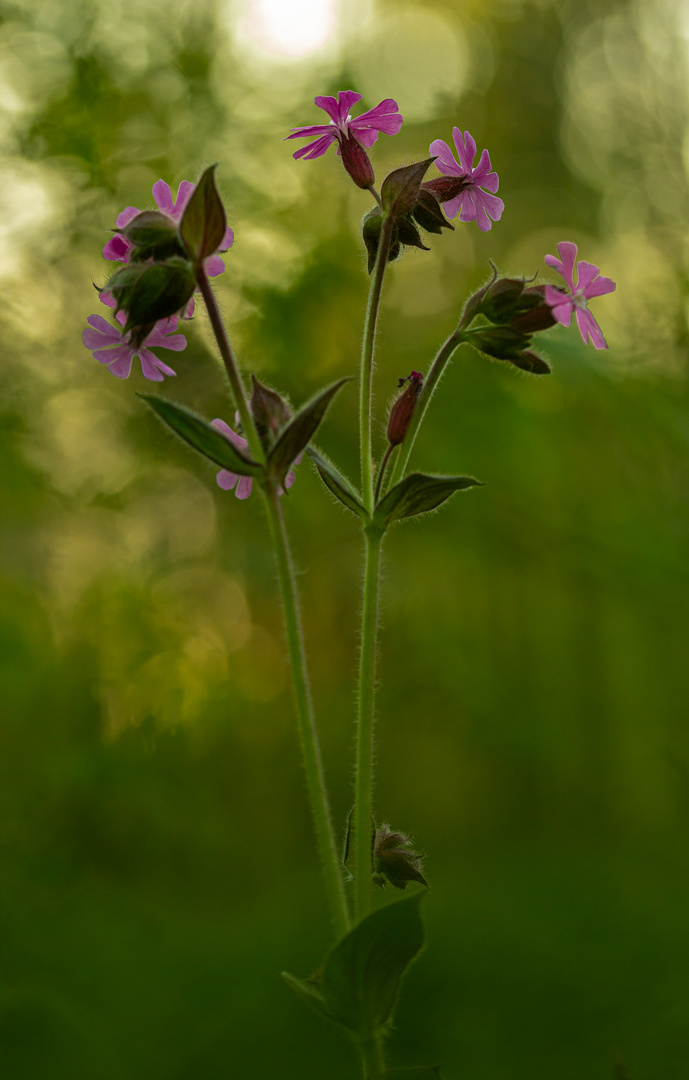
(111, 346)
(119, 248)
(226, 479)
(588, 285)
(470, 195)
(364, 128)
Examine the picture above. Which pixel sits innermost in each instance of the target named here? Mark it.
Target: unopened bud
(270, 412)
(394, 860)
(501, 298)
(428, 214)
(403, 409)
(536, 314)
(357, 162)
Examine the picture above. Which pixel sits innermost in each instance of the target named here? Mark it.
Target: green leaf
(336, 482)
(296, 435)
(203, 223)
(152, 291)
(362, 975)
(417, 1072)
(417, 494)
(202, 436)
(400, 190)
(307, 990)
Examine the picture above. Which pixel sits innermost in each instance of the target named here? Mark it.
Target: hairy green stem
(308, 736)
(429, 386)
(381, 472)
(366, 373)
(230, 366)
(363, 781)
(373, 1058)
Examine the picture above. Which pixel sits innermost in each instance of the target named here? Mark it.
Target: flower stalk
(308, 735)
(366, 370)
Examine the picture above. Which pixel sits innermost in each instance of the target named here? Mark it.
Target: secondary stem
(363, 807)
(373, 1059)
(308, 736)
(230, 365)
(366, 377)
(430, 383)
(381, 471)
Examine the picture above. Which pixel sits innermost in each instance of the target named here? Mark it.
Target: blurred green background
(157, 860)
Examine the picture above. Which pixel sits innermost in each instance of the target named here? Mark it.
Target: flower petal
(158, 340)
(214, 265)
(127, 215)
(229, 434)
(244, 487)
(109, 332)
(568, 255)
(184, 193)
(110, 353)
(445, 160)
(586, 272)
(227, 240)
(117, 248)
(384, 117)
(317, 148)
(122, 365)
(163, 197)
(152, 368)
(226, 479)
(599, 287)
(589, 329)
(466, 149)
(307, 132)
(329, 104)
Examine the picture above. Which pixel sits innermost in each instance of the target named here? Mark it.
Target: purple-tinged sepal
(403, 409)
(394, 859)
(357, 162)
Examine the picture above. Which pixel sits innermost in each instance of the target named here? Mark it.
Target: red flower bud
(357, 162)
(402, 411)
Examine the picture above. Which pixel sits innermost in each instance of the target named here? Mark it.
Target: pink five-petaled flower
(111, 346)
(588, 284)
(364, 128)
(227, 480)
(118, 247)
(468, 196)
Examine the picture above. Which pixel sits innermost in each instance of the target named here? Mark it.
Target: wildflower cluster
(163, 256)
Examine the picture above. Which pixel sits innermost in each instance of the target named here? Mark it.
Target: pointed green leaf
(362, 975)
(296, 435)
(307, 990)
(202, 436)
(203, 223)
(336, 482)
(417, 1072)
(417, 494)
(400, 189)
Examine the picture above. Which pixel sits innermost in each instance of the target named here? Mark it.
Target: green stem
(366, 376)
(363, 798)
(373, 1058)
(315, 778)
(381, 471)
(225, 348)
(437, 367)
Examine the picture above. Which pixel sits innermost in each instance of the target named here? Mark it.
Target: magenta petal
(244, 487)
(121, 364)
(117, 249)
(480, 174)
(106, 354)
(468, 201)
(589, 328)
(315, 149)
(214, 266)
(568, 254)
(383, 117)
(599, 287)
(586, 272)
(451, 207)
(109, 332)
(307, 132)
(290, 478)
(163, 197)
(157, 340)
(563, 312)
(466, 149)
(345, 100)
(227, 240)
(226, 479)
(493, 205)
(365, 136)
(229, 434)
(127, 215)
(152, 368)
(329, 105)
(184, 193)
(445, 160)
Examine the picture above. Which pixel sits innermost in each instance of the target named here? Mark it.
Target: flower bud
(501, 299)
(402, 411)
(499, 341)
(535, 313)
(357, 162)
(270, 412)
(428, 214)
(394, 859)
(371, 229)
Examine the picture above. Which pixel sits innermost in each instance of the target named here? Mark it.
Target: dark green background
(158, 868)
